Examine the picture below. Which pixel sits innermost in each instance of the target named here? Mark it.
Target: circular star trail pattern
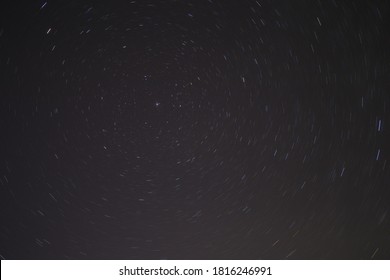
(195, 130)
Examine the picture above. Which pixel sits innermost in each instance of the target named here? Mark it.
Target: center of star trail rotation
(194, 130)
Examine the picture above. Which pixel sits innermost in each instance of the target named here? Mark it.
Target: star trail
(195, 129)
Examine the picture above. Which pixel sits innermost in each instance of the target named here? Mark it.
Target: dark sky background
(195, 129)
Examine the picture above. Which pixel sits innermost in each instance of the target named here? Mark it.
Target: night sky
(195, 129)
